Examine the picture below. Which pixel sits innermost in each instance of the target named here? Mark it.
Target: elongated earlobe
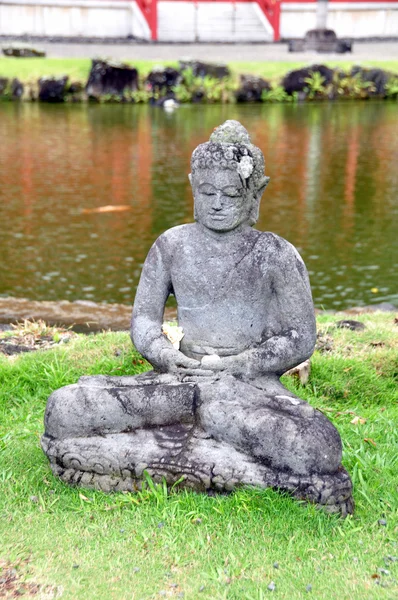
(195, 216)
(255, 209)
(262, 185)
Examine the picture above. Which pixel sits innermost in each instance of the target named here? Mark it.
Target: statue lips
(218, 216)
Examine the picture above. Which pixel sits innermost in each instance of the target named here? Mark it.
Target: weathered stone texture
(201, 69)
(23, 51)
(320, 40)
(163, 79)
(16, 89)
(251, 88)
(377, 77)
(214, 411)
(294, 81)
(53, 89)
(111, 78)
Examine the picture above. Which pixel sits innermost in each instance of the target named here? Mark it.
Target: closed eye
(207, 189)
(232, 192)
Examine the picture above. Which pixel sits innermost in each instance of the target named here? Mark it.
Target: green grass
(31, 69)
(81, 544)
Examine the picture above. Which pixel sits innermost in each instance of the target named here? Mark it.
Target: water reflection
(333, 193)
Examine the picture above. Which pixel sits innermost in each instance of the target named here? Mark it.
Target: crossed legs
(231, 411)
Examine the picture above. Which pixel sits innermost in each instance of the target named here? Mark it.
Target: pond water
(333, 193)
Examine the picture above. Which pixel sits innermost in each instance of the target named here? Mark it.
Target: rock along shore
(196, 81)
(86, 316)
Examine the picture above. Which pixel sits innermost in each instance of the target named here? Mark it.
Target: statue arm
(146, 326)
(294, 337)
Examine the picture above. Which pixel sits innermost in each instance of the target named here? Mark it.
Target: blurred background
(86, 187)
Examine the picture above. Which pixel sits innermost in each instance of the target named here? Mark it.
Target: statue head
(227, 178)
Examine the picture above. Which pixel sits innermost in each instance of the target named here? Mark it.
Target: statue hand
(173, 361)
(239, 364)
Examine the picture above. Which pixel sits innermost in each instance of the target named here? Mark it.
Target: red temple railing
(270, 8)
(149, 9)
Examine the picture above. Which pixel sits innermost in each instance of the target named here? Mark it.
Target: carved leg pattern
(187, 457)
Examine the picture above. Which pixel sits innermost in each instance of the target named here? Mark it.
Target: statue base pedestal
(185, 457)
(320, 40)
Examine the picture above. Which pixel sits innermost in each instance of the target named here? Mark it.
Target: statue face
(222, 203)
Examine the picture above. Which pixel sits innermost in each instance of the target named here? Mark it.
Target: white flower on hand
(245, 167)
(173, 333)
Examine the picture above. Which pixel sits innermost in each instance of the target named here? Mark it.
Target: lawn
(31, 69)
(79, 544)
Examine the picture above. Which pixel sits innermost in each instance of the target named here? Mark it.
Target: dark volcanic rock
(111, 78)
(75, 87)
(16, 89)
(11, 349)
(294, 81)
(163, 79)
(201, 69)
(52, 89)
(377, 77)
(251, 88)
(350, 324)
(198, 97)
(23, 52)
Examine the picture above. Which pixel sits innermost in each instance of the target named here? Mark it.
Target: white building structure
(194, 21)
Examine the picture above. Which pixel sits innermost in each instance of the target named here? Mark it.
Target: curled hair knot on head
(230, 147)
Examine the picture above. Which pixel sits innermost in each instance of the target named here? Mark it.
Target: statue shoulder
(179, 233)
(174, 236)
(278, 249)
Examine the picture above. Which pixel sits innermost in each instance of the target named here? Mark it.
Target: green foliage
(204, 89)
(141, 96)
(5, 93)
(278, 94)
(189, 79)
(182, 93)
(392, 88)
(315, 87)
(354, 87)
(212, 89)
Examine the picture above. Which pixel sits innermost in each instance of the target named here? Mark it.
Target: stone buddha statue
(213, 413)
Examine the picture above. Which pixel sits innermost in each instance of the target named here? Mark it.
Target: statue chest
(231, 280)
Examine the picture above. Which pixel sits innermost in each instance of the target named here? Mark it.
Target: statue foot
(184, 456)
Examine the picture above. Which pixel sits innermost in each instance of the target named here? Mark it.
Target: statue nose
(216, 203)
